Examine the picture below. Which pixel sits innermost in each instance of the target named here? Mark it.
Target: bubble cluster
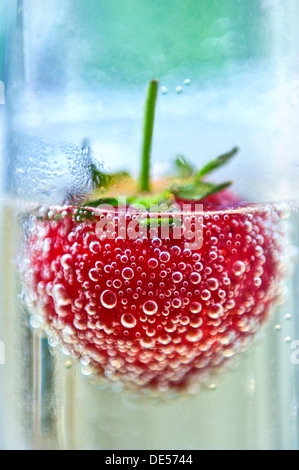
(150, 311)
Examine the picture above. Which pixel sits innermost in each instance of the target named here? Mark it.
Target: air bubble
(257, 281)
(85, 361)
(35, 321)
(228, 353)
(197, 322)
(248, 226)
(213, 255)
(60, 295)
(150, 332)
(239, 268)
(258, 251)
(198, 266)
(117, 363)
(68, 364)
(195, 278)
(164, 339)
(95, 247)
(164, 256)
(150, 307)
(156, 242)
(193, 336)
(284, 211)
(177, 277)
(147, 342)
(176, 250)
(66, 261)
(108, 299)
(86, 370)
(212, 283)
(91, 309)
(128, 320)
(117, 283)
(152, 263)
(94, 275)
(128, 273)
(206, 294)
(176, 303)
(215, 311)
(195, 307)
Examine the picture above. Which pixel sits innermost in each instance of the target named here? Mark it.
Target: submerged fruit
(148, 310)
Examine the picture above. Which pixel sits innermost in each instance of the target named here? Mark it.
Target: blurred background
(2, 37)
(228, 73)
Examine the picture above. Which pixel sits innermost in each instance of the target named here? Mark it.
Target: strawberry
(147, 310)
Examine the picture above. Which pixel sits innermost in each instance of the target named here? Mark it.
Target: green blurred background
(206, 36)
(129, 42)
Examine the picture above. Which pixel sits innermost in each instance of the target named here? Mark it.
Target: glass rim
(278, 206)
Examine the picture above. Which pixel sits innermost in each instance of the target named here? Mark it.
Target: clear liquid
(49, 403)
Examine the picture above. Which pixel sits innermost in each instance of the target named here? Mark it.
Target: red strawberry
(149, 310)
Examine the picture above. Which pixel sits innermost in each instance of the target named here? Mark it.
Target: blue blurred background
(2, 34)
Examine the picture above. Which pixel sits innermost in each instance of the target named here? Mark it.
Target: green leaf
(150, 199)
(104, 180)
(84, 215)
(103, 200)
(216, 163)
(155, 222)
(199, 190)
(99, 179)
(184, 167)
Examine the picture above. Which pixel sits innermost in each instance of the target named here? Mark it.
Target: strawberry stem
(148, 135)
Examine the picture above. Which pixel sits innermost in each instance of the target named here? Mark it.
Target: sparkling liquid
(54, 401)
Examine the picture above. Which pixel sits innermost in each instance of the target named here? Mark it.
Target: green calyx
(189, 185)
(195, 187)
